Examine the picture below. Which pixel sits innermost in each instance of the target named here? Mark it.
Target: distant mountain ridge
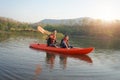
(65, 21)
(75, 21)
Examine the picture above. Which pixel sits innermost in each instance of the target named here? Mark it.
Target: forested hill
(64, 21)
(7, 24)
(83, 26)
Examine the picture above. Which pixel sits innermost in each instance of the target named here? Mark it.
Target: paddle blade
(42, 30)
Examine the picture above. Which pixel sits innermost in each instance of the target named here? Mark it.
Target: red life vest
(53, 38)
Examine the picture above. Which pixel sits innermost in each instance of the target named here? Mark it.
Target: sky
(36, 10)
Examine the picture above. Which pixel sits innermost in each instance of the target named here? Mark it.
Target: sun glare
(107, 17)
(106, 13)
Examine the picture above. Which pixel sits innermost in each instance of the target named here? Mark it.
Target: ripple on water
(19, 62)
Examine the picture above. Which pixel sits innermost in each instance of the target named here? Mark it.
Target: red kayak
(75, 51)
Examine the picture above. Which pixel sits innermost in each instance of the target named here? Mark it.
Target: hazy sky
(36, 10)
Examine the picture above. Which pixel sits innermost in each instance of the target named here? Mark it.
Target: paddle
(43, 31)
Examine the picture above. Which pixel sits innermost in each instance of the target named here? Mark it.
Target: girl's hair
(65, 35)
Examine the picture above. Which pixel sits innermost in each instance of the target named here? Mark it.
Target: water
(19, 62)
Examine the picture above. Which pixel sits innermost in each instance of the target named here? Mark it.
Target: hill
(7, 24)
(64, 21)
(83, 26)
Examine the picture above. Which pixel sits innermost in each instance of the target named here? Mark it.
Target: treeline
(7, 24)
(89, 28)
(84, 27)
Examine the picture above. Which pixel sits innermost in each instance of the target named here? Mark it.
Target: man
(51, 39)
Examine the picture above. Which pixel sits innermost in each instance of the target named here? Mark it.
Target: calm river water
(19, 62)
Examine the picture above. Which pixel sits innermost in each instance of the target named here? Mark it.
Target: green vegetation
(7, 24)
(87, 27)
(11, 28)
(94, 28)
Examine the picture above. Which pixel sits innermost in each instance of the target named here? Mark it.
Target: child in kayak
(51, 39)
(65, 42)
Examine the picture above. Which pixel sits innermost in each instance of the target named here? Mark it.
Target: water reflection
(37, 72)
(63, 61)
(50, 59)
(4, 37)
(18, 62)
